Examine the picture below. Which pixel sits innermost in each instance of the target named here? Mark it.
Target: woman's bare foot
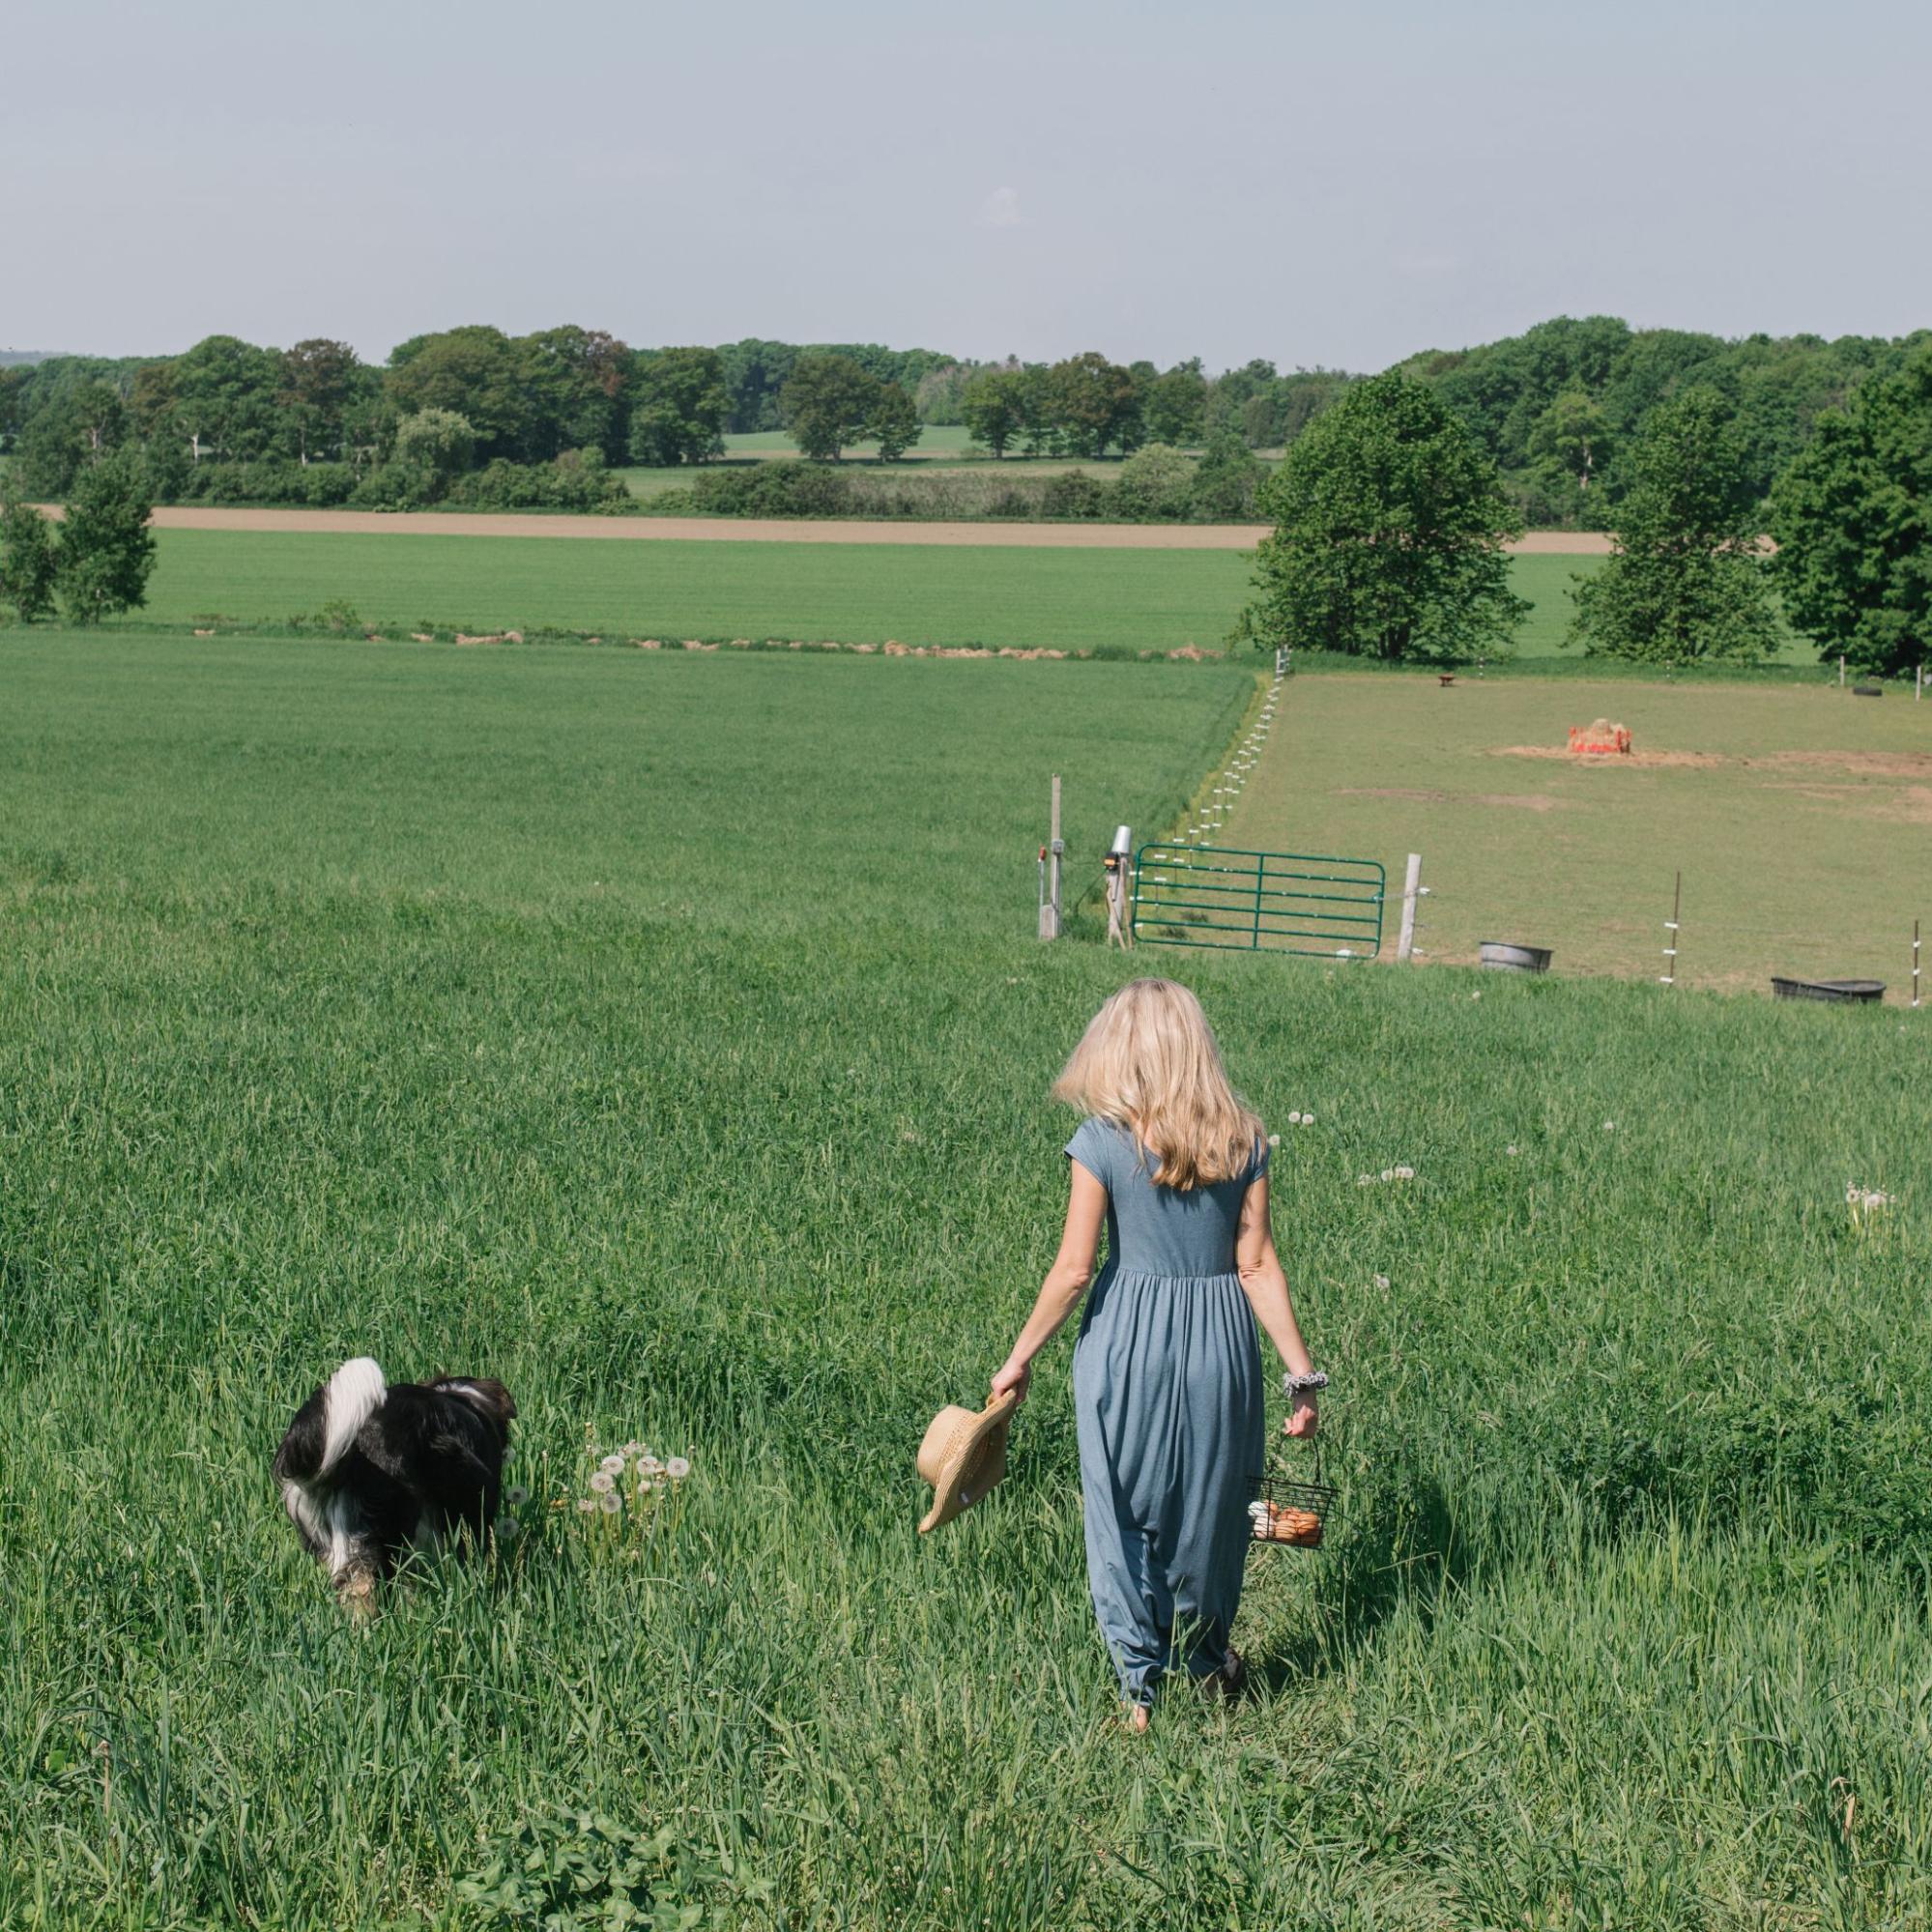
(1135, 1718)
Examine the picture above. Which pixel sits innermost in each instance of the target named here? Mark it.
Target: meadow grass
(1065, 599)
(1795, 815)
(663, 1033)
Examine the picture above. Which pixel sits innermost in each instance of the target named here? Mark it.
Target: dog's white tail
(355, 1392)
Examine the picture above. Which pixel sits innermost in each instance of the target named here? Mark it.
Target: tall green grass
(663, 1033)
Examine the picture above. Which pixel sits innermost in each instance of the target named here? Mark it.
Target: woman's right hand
(1013, 1380)
(1303, 1421)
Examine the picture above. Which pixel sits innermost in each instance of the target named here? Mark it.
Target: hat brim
(974, 1466)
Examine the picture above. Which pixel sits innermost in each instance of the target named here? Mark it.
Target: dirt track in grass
(781, 529)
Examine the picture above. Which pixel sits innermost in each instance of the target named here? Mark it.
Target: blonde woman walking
(1167, 1369)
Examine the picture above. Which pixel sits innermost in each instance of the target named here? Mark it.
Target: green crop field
(921, 593)
(664, 1034)
(1796, 815)
(1065, 599)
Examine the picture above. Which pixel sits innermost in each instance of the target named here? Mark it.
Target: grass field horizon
(1064, 598)
(664, 1034)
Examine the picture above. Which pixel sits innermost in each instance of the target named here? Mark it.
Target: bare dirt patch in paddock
(1521, 801)
(1626, 760)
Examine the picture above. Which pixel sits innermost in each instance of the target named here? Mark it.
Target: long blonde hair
(1149, 1062)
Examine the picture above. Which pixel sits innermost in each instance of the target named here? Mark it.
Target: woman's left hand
(1304, 1420)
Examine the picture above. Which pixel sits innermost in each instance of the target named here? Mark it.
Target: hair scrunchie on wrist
(1303, 1385)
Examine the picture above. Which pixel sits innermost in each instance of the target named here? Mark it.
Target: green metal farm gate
(1258, 902)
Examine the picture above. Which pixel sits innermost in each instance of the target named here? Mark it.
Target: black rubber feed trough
(1846, 991)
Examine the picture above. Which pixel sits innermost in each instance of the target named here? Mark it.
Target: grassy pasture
(1064, 598)
(1798, 817)
(663, 1033)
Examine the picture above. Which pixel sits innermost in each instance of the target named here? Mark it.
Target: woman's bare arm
(1066, 1281)
(1266, 1287)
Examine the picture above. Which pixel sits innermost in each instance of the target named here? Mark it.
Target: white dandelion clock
(509, 1529)
(612, 1465)
(609, 1503)
(585, 1504)
(1405, 1173)
(1275, 1141)
(1381, 1281)
(603, 1483)
(648, 1465)
(678, 1467)
(517, 1496)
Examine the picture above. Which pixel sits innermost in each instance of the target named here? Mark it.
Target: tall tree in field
(318, 379)
(1685, 580)
(27, 560)
(828, 402)
(894, 424)
(994, 408)
(1389, 533)
(1094, 403)
(106, 549)
(1853, 518)
(678, 406)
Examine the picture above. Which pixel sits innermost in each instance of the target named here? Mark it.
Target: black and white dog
(369, 1472)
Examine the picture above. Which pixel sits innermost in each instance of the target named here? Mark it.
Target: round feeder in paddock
(1506, 955)
(1841, 991)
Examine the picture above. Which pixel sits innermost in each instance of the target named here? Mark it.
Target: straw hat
(962, 1456)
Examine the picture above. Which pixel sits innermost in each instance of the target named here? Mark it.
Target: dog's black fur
(369, 1473)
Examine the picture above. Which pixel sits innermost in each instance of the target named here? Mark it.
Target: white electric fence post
(1050, 901)
(1405, 945)
(1669, 977)
(1915, 963)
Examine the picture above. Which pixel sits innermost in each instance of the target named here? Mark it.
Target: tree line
(1391, 518)
(474, 416)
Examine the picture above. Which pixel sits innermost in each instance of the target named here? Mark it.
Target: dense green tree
(438, 441)
(1175, 407)
(678, 406)
(106, 550)
(13, 393)
(1572, 436)
(1389, 533)
(1685, 580)
(319, 380)
(223, 394)
(574, 383)
(475, 372)
(1852, 519)
(77, 425)
(1093, 403)
(829, 403)
(1157, 482)
(893, 422)
(27, 560)
(1225, 484)
(993, 407)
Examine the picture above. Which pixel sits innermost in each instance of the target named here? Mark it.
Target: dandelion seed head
(648, 1465)
(609, 1503)
(610, 1464)
(678, 1467)
(509, 1529)
(517, 1496)
(1381, 1281)
(603, 1483)
(585, 1504)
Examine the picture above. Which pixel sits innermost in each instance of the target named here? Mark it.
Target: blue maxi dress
(1168, 1398)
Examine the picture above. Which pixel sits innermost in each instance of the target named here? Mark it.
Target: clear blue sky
(1338, 185)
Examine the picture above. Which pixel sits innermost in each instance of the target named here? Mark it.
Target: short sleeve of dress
(1092, 1146)
(1259, 1168)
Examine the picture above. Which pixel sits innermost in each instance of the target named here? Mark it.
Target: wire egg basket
(1290, 1512)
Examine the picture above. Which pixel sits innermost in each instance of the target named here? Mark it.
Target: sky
(1336, 186)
